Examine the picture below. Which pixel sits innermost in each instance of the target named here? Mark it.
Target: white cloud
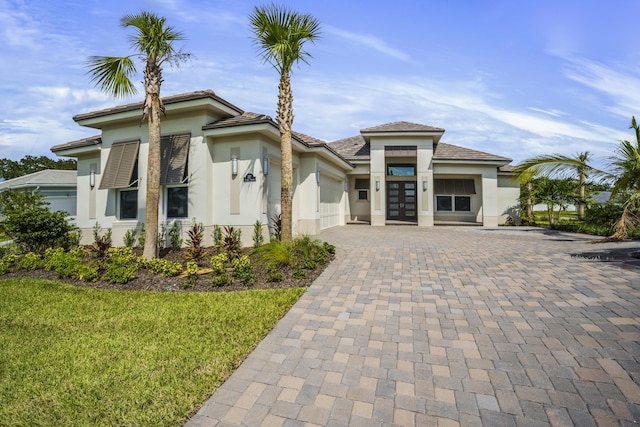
(370, 41)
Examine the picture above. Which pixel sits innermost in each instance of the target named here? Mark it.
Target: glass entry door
(402, 203)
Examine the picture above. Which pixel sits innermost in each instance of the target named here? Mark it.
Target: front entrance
(401, 201)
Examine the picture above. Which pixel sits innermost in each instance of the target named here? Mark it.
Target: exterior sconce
(377, 185)
(424, 185)
(92, 179)
(234, 166)
(265, 166)
(318, 176)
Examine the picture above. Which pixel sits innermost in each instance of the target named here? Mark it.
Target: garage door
(330, 194)
(273, 192)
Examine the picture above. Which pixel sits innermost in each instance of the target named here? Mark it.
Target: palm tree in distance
(280, 34)
(563, 165)
(625, 164)
(153, 44)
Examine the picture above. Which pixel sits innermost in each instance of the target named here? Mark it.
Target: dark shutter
(454, 186)
(363, 183)
(174, 152)
(120, 164)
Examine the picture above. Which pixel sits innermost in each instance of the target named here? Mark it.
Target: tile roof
(355, 148)
(443, 151)
(246, 118)
(47, 177)
(172, 99)
(402, 127)
(84, 142)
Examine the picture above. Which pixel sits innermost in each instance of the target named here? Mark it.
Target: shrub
(216, 235)
(122, 265)
(30, 261)
(276, 228)
(101, 242)
(142, 235)
(222, 280)
(192, 274)
(161, 241)
(231, 242)
(163, 267)
(273, 275)
(6, 262)
(129, 238)
(195, 234)
(307, 252)
(69, 265)
(242, 270)
(299, 274)
(175, 238)
(219, 263)
(31, 225)
(275, 253)
(258, 238)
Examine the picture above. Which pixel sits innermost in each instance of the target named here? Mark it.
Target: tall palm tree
(153, 45)
(562, 165)
(280, 34)
(625, 166)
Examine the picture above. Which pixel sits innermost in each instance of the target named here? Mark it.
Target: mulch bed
(144, 280)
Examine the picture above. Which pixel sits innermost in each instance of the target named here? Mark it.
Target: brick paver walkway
(450, 326)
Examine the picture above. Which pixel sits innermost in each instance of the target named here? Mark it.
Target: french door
(402, 204)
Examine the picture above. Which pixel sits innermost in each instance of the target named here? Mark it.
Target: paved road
(450, 326)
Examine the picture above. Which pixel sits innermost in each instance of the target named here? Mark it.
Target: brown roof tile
(246, 118)
(84, 142)
(190, 96)
(353, 148)
(402, 127)
(445, 151)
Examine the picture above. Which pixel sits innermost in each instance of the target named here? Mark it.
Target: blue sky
(511, 78)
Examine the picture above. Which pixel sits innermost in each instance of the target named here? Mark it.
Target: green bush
(69, 265)
(122, 263)
(216, 235)
(192, 274)
(163, 267)
(274, 253)
(195, 235)
(306, 253)
(299, 275)
(222, 280)
(231, 242)
(6, 262)
(273, 275)
(129, 238)
(258, 238)
(242, 270)
(175, 236)
(219, 263)
(30, 261)
(31, 225)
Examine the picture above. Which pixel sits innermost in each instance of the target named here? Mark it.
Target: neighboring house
(57, 186)
(220, 166)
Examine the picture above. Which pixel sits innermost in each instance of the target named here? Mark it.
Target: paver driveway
(450, 326)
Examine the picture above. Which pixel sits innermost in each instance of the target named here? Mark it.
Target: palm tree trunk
(153, 109)
(285, 121)
(529, 203)
(581, 203)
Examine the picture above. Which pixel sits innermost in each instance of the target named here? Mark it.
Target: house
(58, 188)
(220, 165)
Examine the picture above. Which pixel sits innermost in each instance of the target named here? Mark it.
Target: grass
(80, 356)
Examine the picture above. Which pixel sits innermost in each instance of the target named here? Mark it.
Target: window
(174, 156)
(401, 170)
(454, 186)
(363, 194)
(363, 183)
(453, 203)
(177, 202)
(128, 204)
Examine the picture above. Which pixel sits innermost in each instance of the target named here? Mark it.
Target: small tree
(31, 225)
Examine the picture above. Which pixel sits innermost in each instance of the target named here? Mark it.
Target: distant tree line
(10, 169)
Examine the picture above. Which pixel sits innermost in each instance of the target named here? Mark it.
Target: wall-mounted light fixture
(234, 166)
(377, 185)
(318, 176)
(424, 185)
(92, 179)
(265, 166)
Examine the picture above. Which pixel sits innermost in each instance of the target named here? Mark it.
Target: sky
(513, 78)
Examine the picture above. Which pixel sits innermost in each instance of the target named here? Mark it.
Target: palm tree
(153, 44)
(563, 165)
(625, 166)
(280, 34)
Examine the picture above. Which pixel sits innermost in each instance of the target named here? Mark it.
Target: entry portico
(404, 173)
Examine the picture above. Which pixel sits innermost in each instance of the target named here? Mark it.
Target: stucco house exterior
(58, 188)
(221, 166)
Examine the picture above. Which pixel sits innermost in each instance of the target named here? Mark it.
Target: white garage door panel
(273, 192)
(330, 195)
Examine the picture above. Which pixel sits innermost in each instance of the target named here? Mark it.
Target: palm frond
(112, 74)
(280, 34)
(153, 39)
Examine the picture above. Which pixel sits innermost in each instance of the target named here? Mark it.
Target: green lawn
(79, 356)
